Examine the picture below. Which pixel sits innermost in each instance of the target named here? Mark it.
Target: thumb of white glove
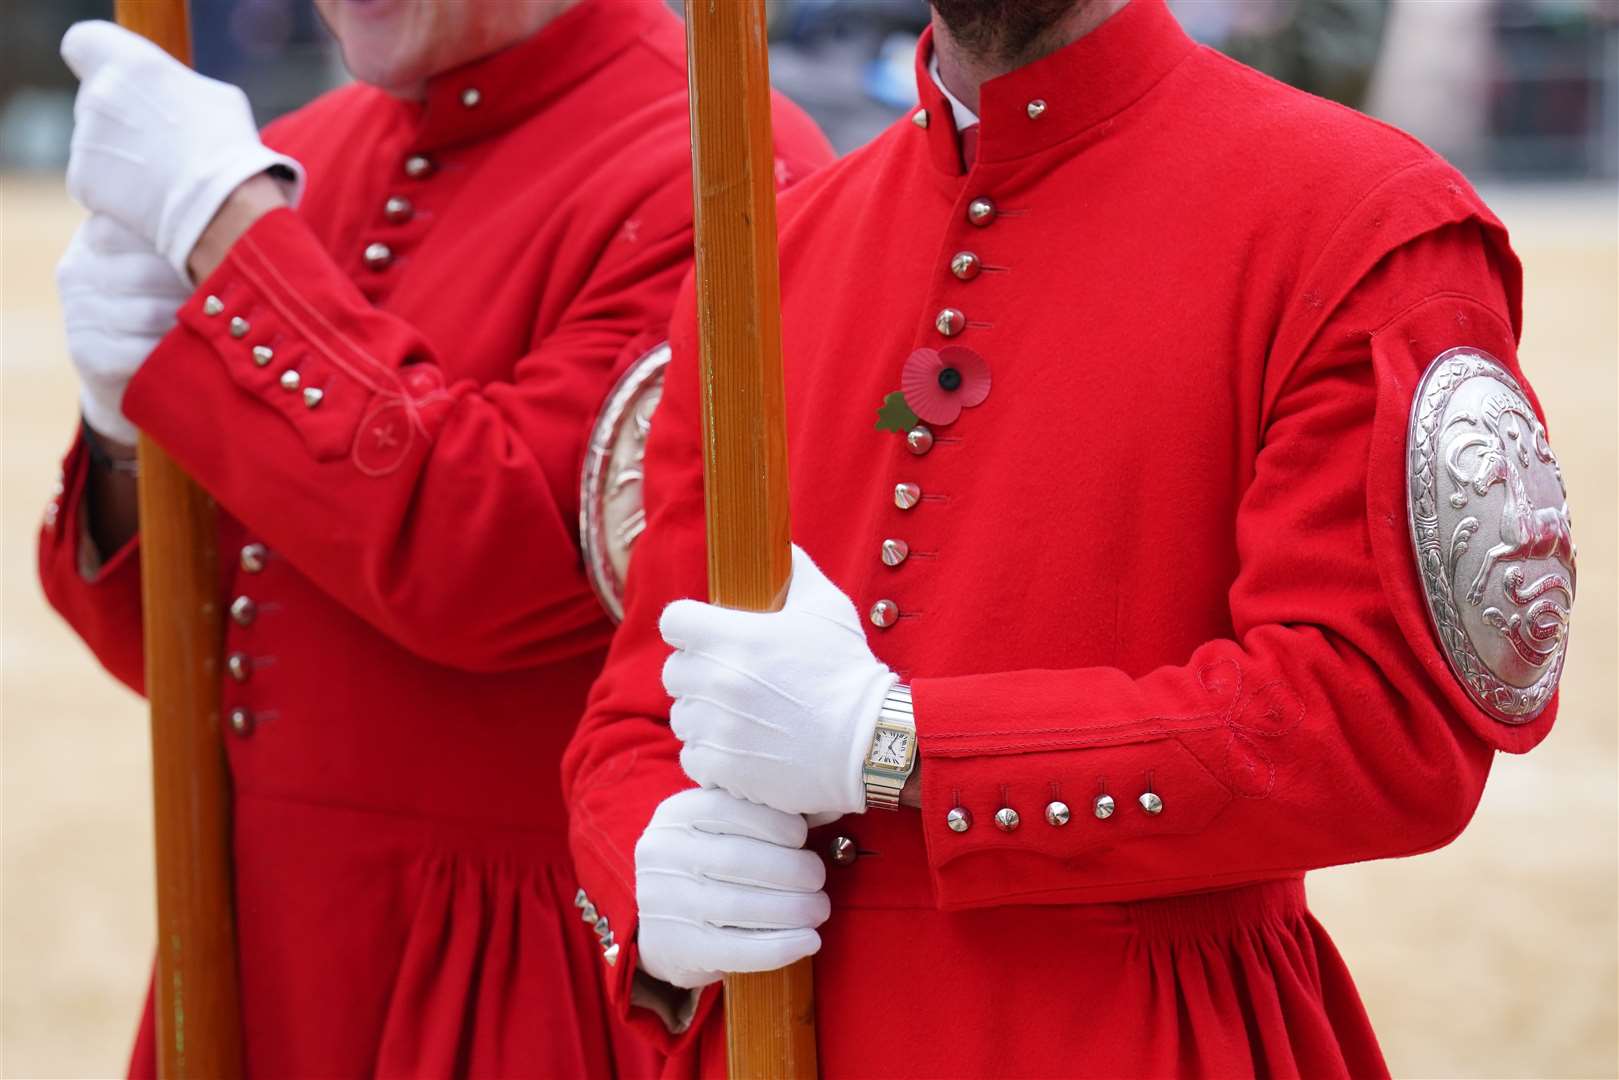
(118, 300)
(156, 145)
(724, 885)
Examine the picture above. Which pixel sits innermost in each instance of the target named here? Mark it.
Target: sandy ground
(1495, 957)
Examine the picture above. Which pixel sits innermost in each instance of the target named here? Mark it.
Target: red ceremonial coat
(1167, 554)
(389, 399)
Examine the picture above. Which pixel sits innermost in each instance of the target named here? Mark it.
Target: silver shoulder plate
(1489, 518)
(611, 516)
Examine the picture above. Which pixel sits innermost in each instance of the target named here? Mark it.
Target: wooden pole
(769, 1017)
(199, 1025)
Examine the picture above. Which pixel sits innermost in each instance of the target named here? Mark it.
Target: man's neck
(964, 70)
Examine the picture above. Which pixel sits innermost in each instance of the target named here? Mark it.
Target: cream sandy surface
(1495, 957)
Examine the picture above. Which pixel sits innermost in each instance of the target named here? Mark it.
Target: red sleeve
(103, 607)
(439, 510)
(1329, 729)
(623, 760)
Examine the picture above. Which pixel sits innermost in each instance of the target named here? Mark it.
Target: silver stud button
(212, 305)
(842, 850)
(965, 265)
(418, 166)
(241, 721)
(397, 209)
(895, 552)
(884, 613)
(313, 396)
(981, 211)
(919, 440)
(960, 819)
(949, 322)
(244, 610)
(1102, 807)
(1151, 803)
(470, 98)
(601, 927)
(1007, 820)
(610, 954)
(907, 495)
(240, 666)
(290, 379)
(253, 557)
(239, 327)
(262, 355)
(580, 899)
(1057, 812)
(378, 256)
(920, 118)
(1037, 109)
(588, 912)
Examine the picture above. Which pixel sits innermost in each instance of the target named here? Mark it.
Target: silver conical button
(470, 98)
(907, 495)
(243, 610)
(377, 256)
(239, 327)
(241, 721)
(981, 211)
(588, 913)
(1007, 819)
(843, 850)
(580, 899)
(313, 396)
(212, 305)
(1102, 807)
(252, 557)
(240, 666)
(884, 613)
(960, 819)
(949, 322)
(919, 440)
(290, 379)
(262, 355)
(895, 552)
(1151, 803)
(397, 209)
(965, 265)
(920, 118)
(1037, 109)
(610, 954)
(418, 166)
(1057, 812)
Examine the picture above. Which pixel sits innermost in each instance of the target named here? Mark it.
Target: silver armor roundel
(1489, 518)
(611, 515)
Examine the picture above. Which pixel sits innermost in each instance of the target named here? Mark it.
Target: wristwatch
(893, 750)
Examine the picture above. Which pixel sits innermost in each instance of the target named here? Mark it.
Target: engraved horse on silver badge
(1527, 531)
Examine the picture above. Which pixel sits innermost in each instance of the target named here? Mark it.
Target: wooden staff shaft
(769, 1017)
(199, 1026)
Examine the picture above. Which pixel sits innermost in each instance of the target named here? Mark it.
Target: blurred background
(1495, 957)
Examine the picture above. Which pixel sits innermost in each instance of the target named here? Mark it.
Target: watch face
(891, 748)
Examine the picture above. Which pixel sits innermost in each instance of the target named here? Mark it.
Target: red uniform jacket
(1167, 554)
(389, 400)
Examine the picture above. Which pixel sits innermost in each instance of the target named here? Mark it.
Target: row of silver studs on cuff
(598, 922)
(960, 819)
(263, 354)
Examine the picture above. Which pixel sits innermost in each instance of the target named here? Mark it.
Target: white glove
(118, 299)
(778, 708)
(725, 885)
(156, 145)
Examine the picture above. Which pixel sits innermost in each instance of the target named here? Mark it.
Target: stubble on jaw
(1005, 33)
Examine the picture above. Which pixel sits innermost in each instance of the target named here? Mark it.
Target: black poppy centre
(949, 378)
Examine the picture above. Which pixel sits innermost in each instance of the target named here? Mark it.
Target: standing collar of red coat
(513, 84)
(1081, 85)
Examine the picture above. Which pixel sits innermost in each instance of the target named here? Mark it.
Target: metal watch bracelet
(883, 785)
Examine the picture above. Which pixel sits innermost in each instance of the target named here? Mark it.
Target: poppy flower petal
(919, 382)
(974, 370)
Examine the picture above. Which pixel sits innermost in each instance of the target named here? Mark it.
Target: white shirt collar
(963, 116)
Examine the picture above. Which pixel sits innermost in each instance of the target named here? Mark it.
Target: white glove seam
(736, 712)
(750, 676)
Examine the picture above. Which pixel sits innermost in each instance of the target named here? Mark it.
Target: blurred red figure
(1154, 602)
(388, 392)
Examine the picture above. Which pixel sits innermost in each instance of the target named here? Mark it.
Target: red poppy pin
(935, 385)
